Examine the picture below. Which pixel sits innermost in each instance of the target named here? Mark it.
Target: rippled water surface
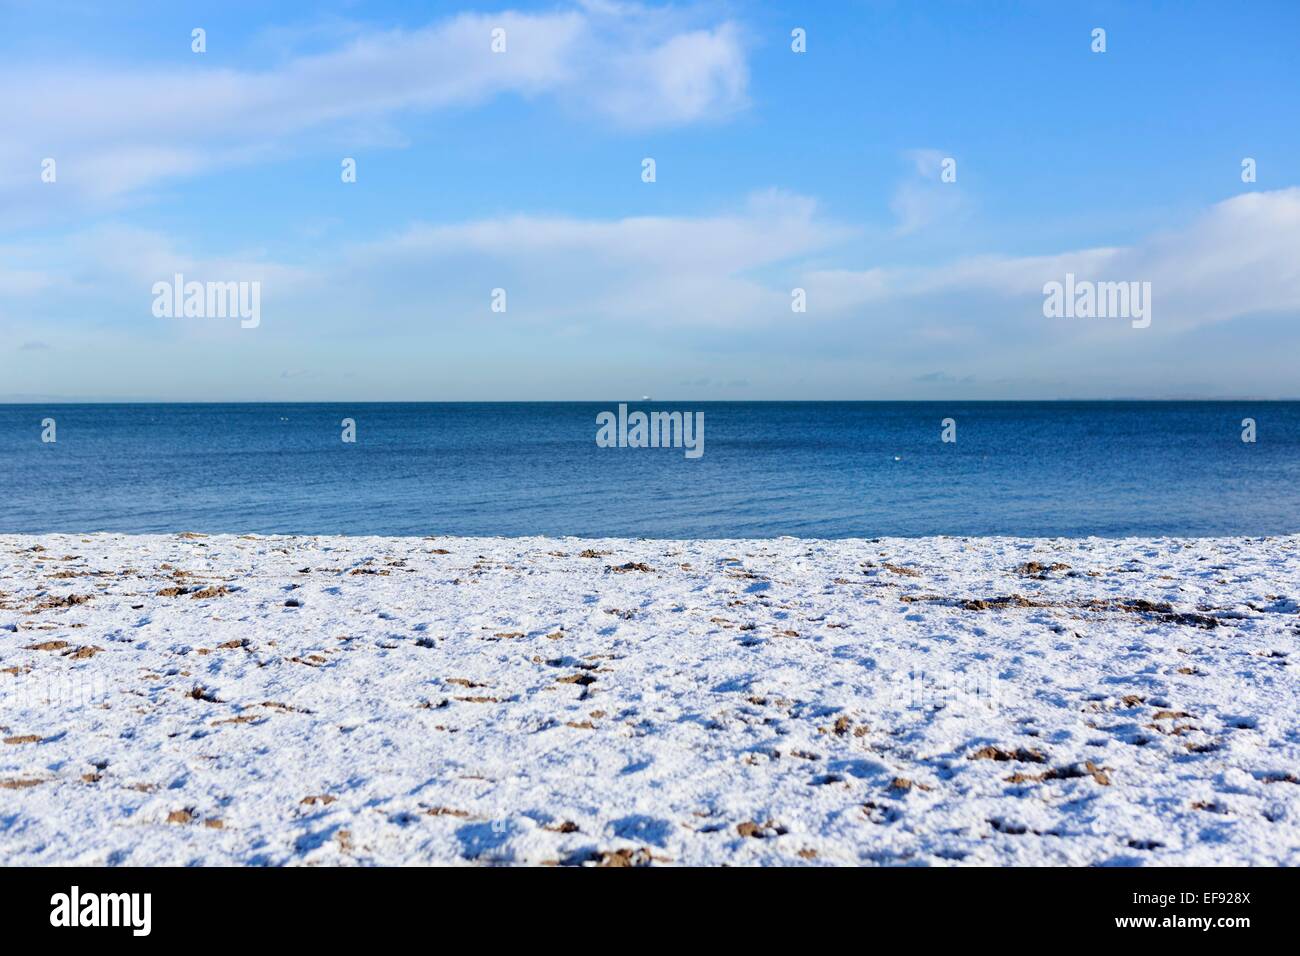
(816, 469)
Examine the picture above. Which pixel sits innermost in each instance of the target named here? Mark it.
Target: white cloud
(114, 129)
(662, 271)
(689, 77)
(1238, 258)
(706, 296)
(922, 198)
(733, 269)
(645, 272)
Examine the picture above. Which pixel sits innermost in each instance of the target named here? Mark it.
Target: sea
(807, 469)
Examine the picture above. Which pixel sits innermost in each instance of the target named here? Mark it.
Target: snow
(509, 700)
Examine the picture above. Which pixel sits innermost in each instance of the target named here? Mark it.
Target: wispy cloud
(1237, 258)
(114, 129)
(922, 198)
(658, 271)
(732, 269)
(715, 288)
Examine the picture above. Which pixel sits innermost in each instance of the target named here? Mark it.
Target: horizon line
(16, 403)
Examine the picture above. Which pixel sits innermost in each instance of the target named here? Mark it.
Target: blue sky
(775, 171)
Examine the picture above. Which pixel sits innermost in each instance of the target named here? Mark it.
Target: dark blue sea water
(823, 469)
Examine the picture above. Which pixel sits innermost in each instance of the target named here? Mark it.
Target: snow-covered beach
(175, 699)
